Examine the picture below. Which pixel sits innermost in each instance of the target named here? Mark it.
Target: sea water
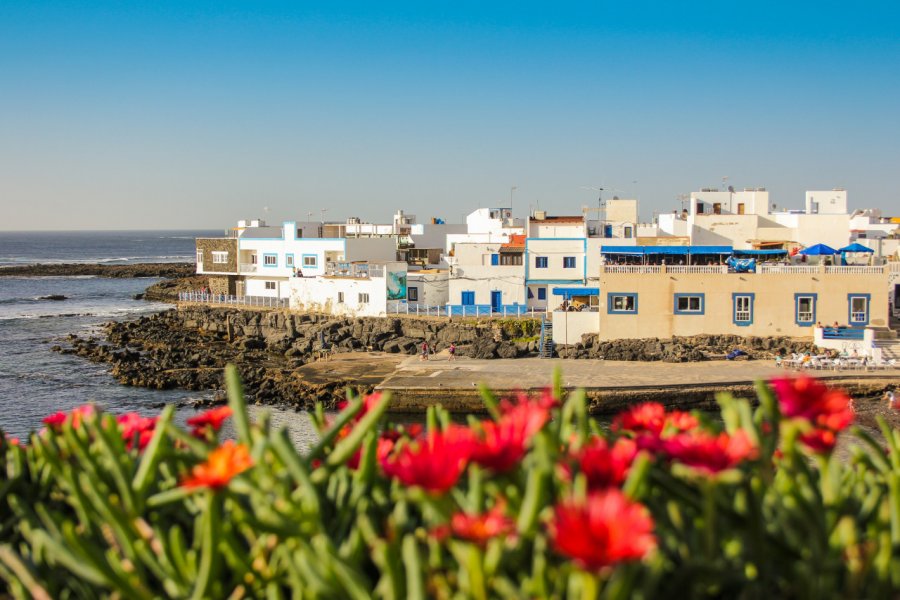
(35, 381)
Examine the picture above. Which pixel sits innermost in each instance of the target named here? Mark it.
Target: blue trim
(289, 263)
(797, 320)
(266, 255)
(551, 281)
(702, 310)
(734, 298)
(609, 304)
(495, 260)
(303, 264)
(542, 293)
(850, 320)
(843, 333)
(584, 291)
(467, 295)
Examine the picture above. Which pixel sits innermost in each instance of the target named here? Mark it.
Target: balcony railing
(793, 269)
(860, 269)
(353, 270)
(248, 268)
(697, 269)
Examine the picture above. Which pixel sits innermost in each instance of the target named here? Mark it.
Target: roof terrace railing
(353, 270)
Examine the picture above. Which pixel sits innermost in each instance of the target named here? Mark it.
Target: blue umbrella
(855, 247)
(819, 250)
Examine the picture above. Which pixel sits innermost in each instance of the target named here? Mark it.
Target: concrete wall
(370, 249)
(555, 250)
(432, 289)
(773, 310)
(826, 202)
(621, 211)
(256, 286)
(568, 327)
(206, 246)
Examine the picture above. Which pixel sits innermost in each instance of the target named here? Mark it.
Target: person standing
(424, 351)
(452, 351)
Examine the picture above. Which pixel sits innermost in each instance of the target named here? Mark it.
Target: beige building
(660, 301)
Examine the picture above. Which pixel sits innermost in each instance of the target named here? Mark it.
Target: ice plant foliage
(539, 501)
(605, 529)
(224, 463)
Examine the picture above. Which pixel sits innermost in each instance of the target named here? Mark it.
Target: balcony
(248, 268)
(353, 270)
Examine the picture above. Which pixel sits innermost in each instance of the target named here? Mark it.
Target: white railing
(632, 269)
(456, 310)
(697, 269)
(248, 268)
(794, 269)
(856, 269)
(353, 270)
(229, 300)
(894, 267)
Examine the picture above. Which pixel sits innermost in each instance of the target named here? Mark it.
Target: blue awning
(760, 252)
(624, 250)
(569, 292)
(711, 249)
(679, 250)
(855, 247)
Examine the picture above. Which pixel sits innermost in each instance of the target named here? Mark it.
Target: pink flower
(605, 530)
(134, 425)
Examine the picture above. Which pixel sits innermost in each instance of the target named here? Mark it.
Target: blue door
(468, 298)
(496, 300)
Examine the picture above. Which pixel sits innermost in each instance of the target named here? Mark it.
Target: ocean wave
(102, 313)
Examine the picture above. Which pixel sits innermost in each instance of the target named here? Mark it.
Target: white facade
(486, 225)
(429, 287)
(826, 202)
(373, 295)
(475, 280)
(750, 201)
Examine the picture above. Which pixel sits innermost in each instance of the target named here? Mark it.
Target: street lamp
(511, 190)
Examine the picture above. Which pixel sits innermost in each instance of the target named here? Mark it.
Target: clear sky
(163, 114)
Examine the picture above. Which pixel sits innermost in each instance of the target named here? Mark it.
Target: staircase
(886, 341)
(545, 346)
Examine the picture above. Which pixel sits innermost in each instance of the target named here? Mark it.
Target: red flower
(649, 417)
(605, 530)
(55, 420)
(503, 442)
(604, 466)
(681, 421)
(213, 418)
(369, 403)
(433, 463)
(78, 414)
(820, 441)
(478, 528)
(221, 466)
(808, 399)
(382, 451)
(132, 425)
(710, 454)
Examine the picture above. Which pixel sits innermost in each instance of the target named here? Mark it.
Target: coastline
(166, 270)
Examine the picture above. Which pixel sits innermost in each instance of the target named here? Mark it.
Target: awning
(669, 250)
(710, 250)
(760, 252)
(855, 247)
(569, 292)
(623, 250)
(819, 250)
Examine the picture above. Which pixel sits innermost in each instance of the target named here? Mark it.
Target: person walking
(424, 351)
(452, 351)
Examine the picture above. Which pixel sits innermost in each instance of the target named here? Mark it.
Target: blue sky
(184, 115)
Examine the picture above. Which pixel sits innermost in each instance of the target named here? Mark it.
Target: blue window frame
(858, 309)
(542, 293)
(270, 260)
(568, 262)
(805, 309)
(289, 260)
(467, 298)
(540, 262)
(742, 309)
(310, 261)
(689, 304)
(495, 259)
(621, 303)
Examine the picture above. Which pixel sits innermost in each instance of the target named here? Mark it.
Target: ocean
(35, 381)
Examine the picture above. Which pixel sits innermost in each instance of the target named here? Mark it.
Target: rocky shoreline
(165, 270)
(188, 348)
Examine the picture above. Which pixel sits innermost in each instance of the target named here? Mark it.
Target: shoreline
(171, 270)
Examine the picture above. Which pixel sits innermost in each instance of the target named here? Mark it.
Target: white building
(428, 287)
(356, 289)
(488, 275)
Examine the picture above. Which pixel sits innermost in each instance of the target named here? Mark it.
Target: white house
(356, 289)
(488, 275)
(428, 287)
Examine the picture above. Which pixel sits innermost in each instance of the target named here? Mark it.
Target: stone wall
(208, 245)
(223, 284)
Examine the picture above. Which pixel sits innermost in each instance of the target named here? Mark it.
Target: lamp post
(511, 190)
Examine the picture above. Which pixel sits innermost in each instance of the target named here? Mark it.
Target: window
(626, 304)
(540, 262)
(859, 309)
(253, 259)
(568, 262)
(743, 309)
(717, 208)
(542, 293)
(310, 260)
(628, 231)
(412, 294)
(740, 210)
(289, 260)
(689, 304)
(340, 299)
(511, 259)
(467, 298)
(495, 259)
(805, 309)
(699, 208)
(270, 260)
(270, 285)
(220, 258)
(199, 257)
(363, 298)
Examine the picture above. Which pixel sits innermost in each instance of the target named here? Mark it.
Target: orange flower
(478, 528)
(223, 463)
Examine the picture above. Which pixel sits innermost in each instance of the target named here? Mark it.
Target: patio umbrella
(818, 250)
(855, 247)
